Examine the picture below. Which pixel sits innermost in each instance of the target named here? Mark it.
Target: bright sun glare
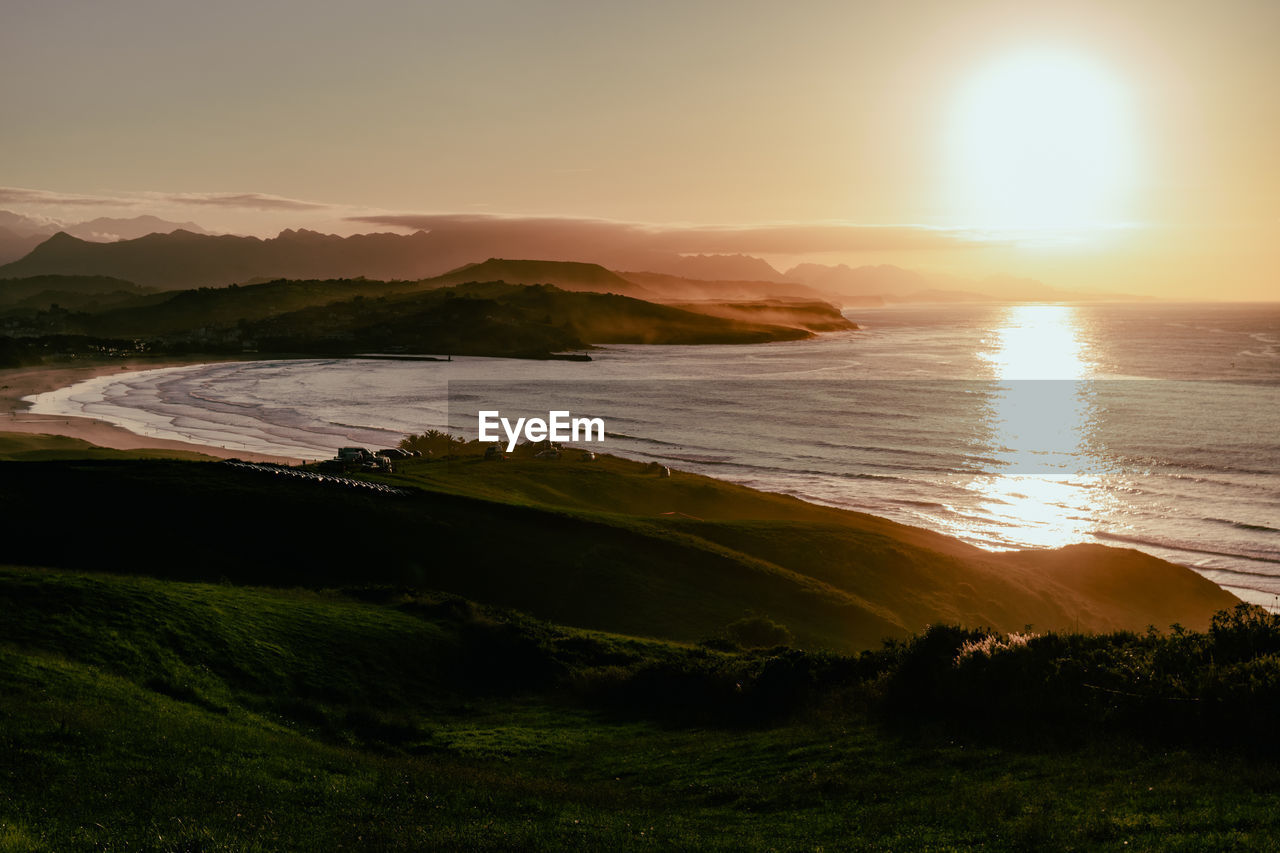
(1042, 139)
(1041, 417)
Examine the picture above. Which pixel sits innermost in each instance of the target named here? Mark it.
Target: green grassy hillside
(496, 317)
(36, 447)
(208, 521)
(158, 715)
(907, 576)
(83, 293)
(602, 545)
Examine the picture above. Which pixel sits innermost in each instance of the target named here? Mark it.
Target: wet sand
(19, 382)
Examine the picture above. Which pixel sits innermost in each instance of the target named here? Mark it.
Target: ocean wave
(1184, 547)
(1242, 525)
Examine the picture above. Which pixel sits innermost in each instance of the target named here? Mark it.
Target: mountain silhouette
(20, 234)
(183, 259)
(717, 268)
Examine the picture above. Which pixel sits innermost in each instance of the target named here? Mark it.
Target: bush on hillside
(755, 631)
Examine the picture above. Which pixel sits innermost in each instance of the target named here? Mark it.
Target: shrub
(1244, 633)
(755, 631)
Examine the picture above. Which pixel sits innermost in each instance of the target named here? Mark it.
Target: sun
(1042, 139)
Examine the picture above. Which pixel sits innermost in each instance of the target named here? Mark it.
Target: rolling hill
(495, 318)
(429, 316)
(566, 275)
(601, 545)
(85, 293)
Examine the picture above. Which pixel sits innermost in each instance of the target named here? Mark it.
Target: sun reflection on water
(1040, 412)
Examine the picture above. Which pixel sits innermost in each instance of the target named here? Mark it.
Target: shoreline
(16, 417)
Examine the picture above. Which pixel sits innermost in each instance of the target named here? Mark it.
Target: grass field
(148, 714)
(582, 656)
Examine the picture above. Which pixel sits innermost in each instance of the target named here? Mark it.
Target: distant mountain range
(715, 268)
(183, 258)
(654, 287)
(20, 234)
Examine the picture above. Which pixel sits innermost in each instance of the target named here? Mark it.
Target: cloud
(552, 234)
(254, 201)
(795, 239)
(19, 195)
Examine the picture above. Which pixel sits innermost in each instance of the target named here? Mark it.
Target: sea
(1153, 426)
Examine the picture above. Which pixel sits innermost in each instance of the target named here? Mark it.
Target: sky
(1119, 146)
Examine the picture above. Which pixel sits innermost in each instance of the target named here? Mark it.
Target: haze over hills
(861, 281)
(876, 284)
(107, 229)
(676, 288)
(20, 234)
(895, 284)
(14, 245)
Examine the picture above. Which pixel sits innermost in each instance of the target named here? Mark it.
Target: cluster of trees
(434, 442)
(20, 352)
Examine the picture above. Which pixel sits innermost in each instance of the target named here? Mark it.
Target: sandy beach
(19, 382)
